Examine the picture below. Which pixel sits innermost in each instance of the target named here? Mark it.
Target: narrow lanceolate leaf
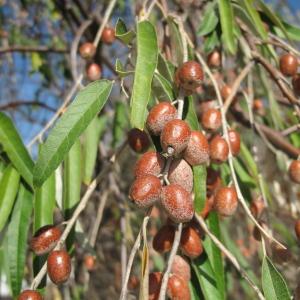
(162, 88)
(9, 185)
(274, 286)
(120, 69)
(73, 122)
(122, 33)
(209, 21)
(17, 245)
(91, 139)
(15, 149)
(147, 52)
(227, 24)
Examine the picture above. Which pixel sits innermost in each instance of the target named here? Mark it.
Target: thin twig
(14, 104)
(41, 49)
(290, 130)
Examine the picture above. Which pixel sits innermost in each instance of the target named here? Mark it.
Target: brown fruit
(294, 171)
(163, 240)
(218, 149)
(296, 84)
(181, 268)
(175, 135)
(234, 141)
(155, 280)
(108, 35)
(189, 76)
(225, 91)
(288, 64)
(213, 181)
(145, 191)
(45, 239)
(208, 206)
(178, 288)
(214, 59)
(159, 115)
(297, 229)
(59, 266)
(151, 163)
(90, 262)
(226, 201)
(133, 282)
(197, 150)
(30, 295)
(87, 50)
(181, 173)
(211, 119)
(138, 140)
(257, 206)
(280, 255)
(93, 72)
(190, 242)
(177, 203)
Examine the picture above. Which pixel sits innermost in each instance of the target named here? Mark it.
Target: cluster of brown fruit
(58, 261)
(88, 50)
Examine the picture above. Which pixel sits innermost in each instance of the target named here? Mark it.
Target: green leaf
(8, 190)
(147, 52)
(120, 69)
(273, 284)
(165, 68)
(189, 113)
(15, 149)
(227, 25)
(162, 88)
(68, 129)
(292, 31)
(209, 21)
(243, 176)
(211, 42)
(121, 123)
(248, 160)
(91, 139)
(18, 229)
(122, 33)
(176, 41)
(36, 61)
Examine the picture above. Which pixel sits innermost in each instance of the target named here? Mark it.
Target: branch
(14, 104)
(42, 49)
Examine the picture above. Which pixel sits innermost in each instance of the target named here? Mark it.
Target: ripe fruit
(93, 72)
(175, 135)
(190, 242)
(208, 206)
(138, 140)
(145, 191)
(218, 149)
(150, 163)
(30, 295)
(297, 229)
(181, 268)
(296, 84)
(87, 50)
(211, 119)
(189, 76)
(155, 279)
(197, 150)
(226, 201)
(159, 115)
(214, 59)
(133, 282)
(288, 64)
(178, 288)
(213, 181)
(257, 206)
(89, 262)
(177, 203)
(294, 171)
(59, 266)
(108, 35)
(279, 254)
(163, 240)
(225, 91)
(45, 239)
(180, 172)
(235, 142)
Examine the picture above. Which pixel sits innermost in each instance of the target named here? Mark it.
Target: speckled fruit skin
(30, 295)
(211, 119)
(163, 240)
(257, 207)
(175, 134)
(181, 173)
(93, 72)
(181, 268)
(145, 191)
(178, 288)
(294, 171)
(59, 266)
(226, 201)
(87, 50)
(213, 181)
(45, 239)
(190, 242)
(177, 203)
(297, 229)
(189, 76)
(296, 84)
(155, 280)
(197, 151)
(235, 142)
(89, 262)
(108, 35)
(159, 116)
(214, 59)
(151, 163)
(288, 64)
(138, 140)
(218, 149)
